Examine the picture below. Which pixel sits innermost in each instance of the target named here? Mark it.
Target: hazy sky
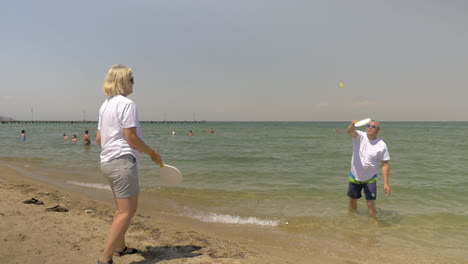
(244, 60)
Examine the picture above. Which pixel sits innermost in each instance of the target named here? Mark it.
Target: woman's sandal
(57, 208)
(33, 201)
(109, 262)
(125, 251)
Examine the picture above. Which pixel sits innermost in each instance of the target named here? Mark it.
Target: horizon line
(205, 121)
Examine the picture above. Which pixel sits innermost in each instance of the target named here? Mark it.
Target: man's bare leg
(352, 206)
(372, 211)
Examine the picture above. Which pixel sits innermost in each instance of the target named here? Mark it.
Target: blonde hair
(117, 80)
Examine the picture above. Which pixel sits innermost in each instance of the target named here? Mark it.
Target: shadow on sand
(156, 254)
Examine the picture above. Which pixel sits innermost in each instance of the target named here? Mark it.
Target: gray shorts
(122, 175)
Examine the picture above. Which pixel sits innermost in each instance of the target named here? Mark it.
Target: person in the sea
(119, 136)
(23, 135)
(368, 151)
(74, 139)
(86, 139)
(65, 137)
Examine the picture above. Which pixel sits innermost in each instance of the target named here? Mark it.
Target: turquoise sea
(284, 177)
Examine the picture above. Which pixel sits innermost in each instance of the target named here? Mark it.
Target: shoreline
(30, 234)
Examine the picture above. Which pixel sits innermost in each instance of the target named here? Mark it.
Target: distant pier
(95, 122)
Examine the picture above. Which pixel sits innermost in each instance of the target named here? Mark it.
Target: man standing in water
(368, 151)
(86, 139)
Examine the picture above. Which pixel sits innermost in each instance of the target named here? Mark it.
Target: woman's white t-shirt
(116, 113)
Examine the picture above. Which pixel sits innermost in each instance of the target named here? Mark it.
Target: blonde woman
(119, 135)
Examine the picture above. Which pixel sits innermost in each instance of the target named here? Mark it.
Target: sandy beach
(30, 234)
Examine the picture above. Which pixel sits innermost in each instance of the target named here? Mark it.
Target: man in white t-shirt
(368, 151)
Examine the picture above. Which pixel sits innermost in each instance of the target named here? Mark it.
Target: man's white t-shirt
(367, 154)
(116, 113)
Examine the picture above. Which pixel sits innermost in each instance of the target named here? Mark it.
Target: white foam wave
(233, 219)
(91, 185)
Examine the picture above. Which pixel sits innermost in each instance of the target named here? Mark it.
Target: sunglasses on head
(372, 126)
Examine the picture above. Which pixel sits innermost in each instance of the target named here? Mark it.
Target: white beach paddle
(170, 175)
(362, 122)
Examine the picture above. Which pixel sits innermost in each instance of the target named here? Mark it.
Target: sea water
(287, 177)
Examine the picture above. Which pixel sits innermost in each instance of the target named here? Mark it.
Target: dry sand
(31, 235)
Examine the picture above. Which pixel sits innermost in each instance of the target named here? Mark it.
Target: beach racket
(170, 175)
(362, 122)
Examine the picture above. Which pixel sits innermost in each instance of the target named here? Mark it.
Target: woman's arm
(135, 142)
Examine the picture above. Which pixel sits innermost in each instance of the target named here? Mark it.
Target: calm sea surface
(286, 177)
